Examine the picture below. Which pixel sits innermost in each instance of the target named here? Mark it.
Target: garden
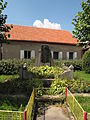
(15, 92)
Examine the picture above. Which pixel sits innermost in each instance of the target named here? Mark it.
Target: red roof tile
(27, 33)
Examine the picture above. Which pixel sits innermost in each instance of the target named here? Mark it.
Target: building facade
(25, 43)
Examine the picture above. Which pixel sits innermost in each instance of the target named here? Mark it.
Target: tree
(86, 61)
(3, 27)
(81, 23)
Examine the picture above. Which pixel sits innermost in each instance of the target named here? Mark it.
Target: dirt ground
(54, 112)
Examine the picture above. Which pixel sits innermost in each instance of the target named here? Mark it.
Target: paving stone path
(54, 113)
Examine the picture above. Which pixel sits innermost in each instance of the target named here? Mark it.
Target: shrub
(86, 61)
(75, 86)
(76, 63)
(58, 86)
(10, 66)
(45, 71)
(17, 86)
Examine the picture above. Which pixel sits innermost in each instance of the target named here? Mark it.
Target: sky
(43, 13)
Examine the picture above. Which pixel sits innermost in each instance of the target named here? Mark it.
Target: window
(70, 55)
(55, 55)
(27, 54)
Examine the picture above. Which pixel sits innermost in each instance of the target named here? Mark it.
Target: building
(26, 42)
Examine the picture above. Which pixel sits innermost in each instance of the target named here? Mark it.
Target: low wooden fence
(75, 107)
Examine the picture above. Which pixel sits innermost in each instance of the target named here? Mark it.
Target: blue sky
(25, 12)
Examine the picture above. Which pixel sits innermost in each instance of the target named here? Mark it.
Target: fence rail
(29, 107)
(11, 115)
(75, 107)
(17, 115)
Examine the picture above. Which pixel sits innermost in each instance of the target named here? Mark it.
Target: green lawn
(4, 78)
(84, 102)
(82, 75)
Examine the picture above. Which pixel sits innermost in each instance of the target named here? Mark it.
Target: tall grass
(82, 75)
(85, 102)
(4, 78)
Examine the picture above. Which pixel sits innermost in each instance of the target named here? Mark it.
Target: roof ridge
(40, 28)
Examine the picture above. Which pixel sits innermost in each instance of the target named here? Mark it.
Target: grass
(4, 78)
(84, 102)
(82, 75)
(13, 103)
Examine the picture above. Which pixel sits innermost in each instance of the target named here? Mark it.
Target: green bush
(58, 86)
(10, 66)
(76, 63)
(17, 86)
(45, 71)
(75, 86)
(86, 61)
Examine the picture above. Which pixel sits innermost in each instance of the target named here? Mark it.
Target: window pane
(55, 55)
(25, 54)
(70, 55)
(29, 54)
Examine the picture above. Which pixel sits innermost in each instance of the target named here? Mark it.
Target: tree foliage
(81, 23)
(3, 27)
(86, 61)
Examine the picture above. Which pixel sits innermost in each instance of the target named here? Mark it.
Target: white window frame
(75, 55)
(67, 55)
(33, 54)
(21, 54)
(52, 53)
(60, 55)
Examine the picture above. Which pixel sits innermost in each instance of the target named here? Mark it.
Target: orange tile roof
(27, 33)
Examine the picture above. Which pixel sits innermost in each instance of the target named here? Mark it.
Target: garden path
(82, 94)
(54, 113)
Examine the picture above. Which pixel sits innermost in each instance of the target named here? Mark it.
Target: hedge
(76, 63)
(10, 66)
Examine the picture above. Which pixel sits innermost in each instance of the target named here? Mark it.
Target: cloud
(46, 24)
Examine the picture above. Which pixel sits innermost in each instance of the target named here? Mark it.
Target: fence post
(25, 115)
(85, 115)
(66, 93)
(34, 92)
